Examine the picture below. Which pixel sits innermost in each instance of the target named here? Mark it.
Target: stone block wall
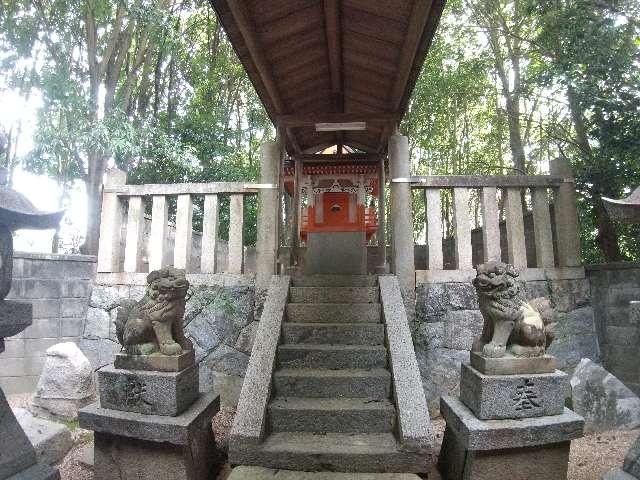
(219, 320)
(448, 319)
(58, 287)
(614, 285)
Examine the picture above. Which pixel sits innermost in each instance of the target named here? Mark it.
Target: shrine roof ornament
(324, 68)
(626, 210)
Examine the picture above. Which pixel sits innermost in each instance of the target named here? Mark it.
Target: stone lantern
(17, 455)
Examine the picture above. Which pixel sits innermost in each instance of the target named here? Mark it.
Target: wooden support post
(490, 225)
(159, 231)
(209, 234)
(236, 233)
(133, 245)
(295, 211)
(184, 232)
(111, 223)
(516, 248)
(463, 228)
(433, 214)
(542, 228)
(566, 215)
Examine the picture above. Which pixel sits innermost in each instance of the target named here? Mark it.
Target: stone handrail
(413, 414)
(117, 194)
(560, 184)
(250, 420)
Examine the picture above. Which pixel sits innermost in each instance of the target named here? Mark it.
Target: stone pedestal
(151, 425)
(339, 253)
(511, 426)
(17, 455)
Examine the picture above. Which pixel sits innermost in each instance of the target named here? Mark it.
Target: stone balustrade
(557, 247)
(124, 205)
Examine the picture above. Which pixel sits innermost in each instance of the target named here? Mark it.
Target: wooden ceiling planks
(358, 57)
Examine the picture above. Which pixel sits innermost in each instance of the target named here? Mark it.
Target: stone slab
(17, 452)
(155, 362)
(548, 462)
(154, 428)
(632, 460)
(475, 434)
(342, 253)
(511, 365)
(618, 474)
(261, 473)
(51, 440)
(147, 392)
(496, 397)
(14, 317)
(39, 471)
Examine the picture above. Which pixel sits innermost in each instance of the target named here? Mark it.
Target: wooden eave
(332, 61)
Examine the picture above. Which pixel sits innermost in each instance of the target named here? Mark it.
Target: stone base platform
(521, 449)
(261, 473)
(148, 392)
(496, 397)
(155, 362)
(512, 365)
(39, 471)
(132, 446)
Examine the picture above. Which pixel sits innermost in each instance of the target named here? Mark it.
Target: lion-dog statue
(510, 323)
(154, 325)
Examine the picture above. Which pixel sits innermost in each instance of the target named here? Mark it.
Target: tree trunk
(607, 238)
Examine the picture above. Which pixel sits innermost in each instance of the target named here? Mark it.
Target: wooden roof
(332, 61)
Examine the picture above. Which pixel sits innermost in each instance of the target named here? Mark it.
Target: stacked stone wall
(448, 319)
(219, 320)
(58, 287)
(614, 285)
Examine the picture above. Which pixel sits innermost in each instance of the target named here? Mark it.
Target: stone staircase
(331, 406)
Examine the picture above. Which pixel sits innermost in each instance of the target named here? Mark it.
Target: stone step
(334, 312)
(304, 355)
(374, 383)
(340, 415)
(334, 295)
(334, 281)
(337, 452)
(333, 333)
(244, 472)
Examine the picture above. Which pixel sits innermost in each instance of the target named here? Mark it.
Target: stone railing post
(267, 242)
(402, 218)
(111, 223)
(566, 215)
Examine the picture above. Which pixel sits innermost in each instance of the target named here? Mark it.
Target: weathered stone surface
(155, 362)
(147, 392)
(51, 440)
(17, 452)
(39, 471)
(496, 397)
(603, 400)
(511, 365)
(548, 462)
(261, 473)
(99, 351)
(14, 317)
(576, 338)
(226, 359)
(154, 428)
(632, 460)
(568, 295)
(440, 371)
(618, 474)
(97, 323)
(246, 338)
(475, 434)
(228, 387)
(66, 382)
(461, 328)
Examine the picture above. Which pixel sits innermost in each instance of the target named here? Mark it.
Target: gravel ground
(591, 456)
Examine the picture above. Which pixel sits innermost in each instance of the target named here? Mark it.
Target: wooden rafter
(310, 119)
(247, 30)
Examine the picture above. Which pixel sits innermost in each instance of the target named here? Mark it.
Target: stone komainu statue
(155, 323)
(510, 323)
